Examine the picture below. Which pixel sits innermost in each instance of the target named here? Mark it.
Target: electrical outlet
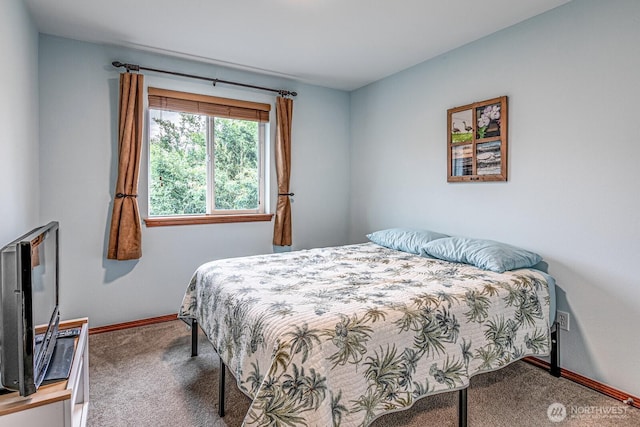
(562, 317)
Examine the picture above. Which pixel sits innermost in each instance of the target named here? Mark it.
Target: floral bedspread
(339, 336)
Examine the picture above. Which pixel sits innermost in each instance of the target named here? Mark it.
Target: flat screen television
(30, 308)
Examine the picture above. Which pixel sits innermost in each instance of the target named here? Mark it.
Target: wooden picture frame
(477, 141)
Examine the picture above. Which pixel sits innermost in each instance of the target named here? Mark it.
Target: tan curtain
(125, 236)
(282, 229)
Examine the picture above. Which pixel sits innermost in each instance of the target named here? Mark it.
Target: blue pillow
(484, 254)
(410, 240)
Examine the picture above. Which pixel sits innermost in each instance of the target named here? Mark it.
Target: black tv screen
(30, 308)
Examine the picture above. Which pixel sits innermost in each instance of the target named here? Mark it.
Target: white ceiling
(342, 44)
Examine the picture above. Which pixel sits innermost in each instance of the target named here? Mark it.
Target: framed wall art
(477, 141)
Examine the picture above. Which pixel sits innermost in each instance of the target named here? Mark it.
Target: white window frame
(216, 215)
(211, 172)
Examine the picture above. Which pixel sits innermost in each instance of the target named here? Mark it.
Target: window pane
(236, 164)
(177, 162)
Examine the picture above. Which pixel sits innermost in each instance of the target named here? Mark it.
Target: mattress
(343, 335)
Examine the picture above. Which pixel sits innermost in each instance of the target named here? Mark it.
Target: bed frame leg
(194, 338)
(555, 351)
(194, 352)
(462, 407)
(222, 368)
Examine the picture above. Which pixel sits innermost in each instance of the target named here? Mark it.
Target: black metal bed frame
(462, 394)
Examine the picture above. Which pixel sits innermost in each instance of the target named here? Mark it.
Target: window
(206, 157)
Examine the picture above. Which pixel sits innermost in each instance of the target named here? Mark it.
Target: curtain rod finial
(129, 67)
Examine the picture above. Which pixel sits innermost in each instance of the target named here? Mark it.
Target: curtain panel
(125, 236)
(282, 227)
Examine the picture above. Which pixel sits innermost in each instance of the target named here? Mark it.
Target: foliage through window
(203, 164)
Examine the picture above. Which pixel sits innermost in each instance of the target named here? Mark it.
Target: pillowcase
(484, 254)
(410, 240)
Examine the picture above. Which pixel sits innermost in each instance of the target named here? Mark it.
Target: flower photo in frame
(477, 141)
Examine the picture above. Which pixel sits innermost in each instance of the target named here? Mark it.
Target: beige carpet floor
(145, 376)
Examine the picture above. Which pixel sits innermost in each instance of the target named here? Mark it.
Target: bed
(343, 335)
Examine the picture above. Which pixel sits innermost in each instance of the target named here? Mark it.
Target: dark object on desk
(60, 365)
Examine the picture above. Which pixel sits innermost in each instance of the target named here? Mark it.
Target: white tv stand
(64, 403)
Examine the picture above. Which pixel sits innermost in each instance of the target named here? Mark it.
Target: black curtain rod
(134, 67)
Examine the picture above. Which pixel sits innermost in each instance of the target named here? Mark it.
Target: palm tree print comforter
(339, 336)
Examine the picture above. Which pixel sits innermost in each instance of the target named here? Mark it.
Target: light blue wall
(19, 190)
(78, 109)
(571, 76)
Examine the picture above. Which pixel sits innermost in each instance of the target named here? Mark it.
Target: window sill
(166, 221)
